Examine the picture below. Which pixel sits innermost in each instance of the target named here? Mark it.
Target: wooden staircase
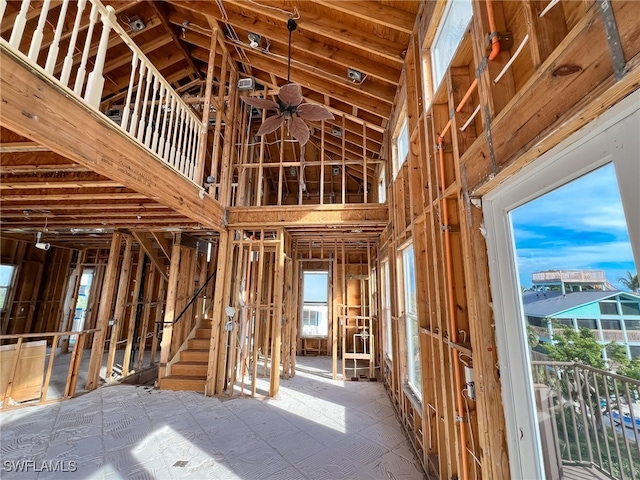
(188, 369)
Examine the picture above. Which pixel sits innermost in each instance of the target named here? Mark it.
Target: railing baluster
(155, 106)
(177, 135)
(157, 145)
(167, 144)
(136, 108)
(596, 415)
(95, 83)
(36, 40)
(606, 435)
(188, 157)
(126, 110)
(54, 48)
(624, 433)
(143, 116)
(3, 7)
(68, 61)
(82, 69)
(583, 408)
(634, 419)
(19, 24)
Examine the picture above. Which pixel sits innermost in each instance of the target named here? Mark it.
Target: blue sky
(578, 226)
(315, 287)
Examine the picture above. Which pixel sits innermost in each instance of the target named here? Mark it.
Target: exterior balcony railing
(588, 419)
(154, 115)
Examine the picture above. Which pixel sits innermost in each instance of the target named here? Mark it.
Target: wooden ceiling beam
(323, 27)
(76, 197)
(22, 147)
(120, 61)
(133, 208)
(374, 12)
(360, 215)
(160, 11)
(301, 45)
(328, 75)
(21, 185)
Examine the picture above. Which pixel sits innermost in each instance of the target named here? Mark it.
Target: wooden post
(202, 149)
(334, 320)
(133, 313)
(162, 288)
(121, 303)
(258, 317)
(276, 340)
(146, 315)
(104, 312)
(217, 325)
(169, 313)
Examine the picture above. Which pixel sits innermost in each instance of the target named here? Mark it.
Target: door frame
(612, 137)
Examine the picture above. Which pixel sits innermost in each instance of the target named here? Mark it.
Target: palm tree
(631, 282)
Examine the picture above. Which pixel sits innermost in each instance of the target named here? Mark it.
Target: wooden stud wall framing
(504, 124)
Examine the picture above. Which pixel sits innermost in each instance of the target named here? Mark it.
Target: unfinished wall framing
(484, 121)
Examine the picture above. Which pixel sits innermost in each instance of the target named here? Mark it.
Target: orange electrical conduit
(451, 306)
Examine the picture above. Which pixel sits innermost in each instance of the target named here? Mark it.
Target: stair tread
(190, 362)
(185, 377)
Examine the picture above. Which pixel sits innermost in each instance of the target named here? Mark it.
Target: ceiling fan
(289, 106)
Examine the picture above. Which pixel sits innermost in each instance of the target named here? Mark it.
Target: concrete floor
(317, 428)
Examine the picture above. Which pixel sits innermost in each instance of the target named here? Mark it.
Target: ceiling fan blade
(299, 130)
(271, 124)
(310, 111)
(291, 94)
(264, 103)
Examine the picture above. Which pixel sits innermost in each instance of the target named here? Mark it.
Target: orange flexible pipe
(495, 39)
(451, 307)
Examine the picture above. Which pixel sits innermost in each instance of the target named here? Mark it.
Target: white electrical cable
(473, 446)
(552, 4)
(468, 122)
(512, 59)
(295, 15)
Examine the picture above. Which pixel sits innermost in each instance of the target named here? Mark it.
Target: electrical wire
(295, 15)
(465, 393)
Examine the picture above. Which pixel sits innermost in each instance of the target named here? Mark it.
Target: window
(382, 186)
(315, 304)
(6, 276)
(608, 308)
(587, 323)
(632, 324)
(411, 318)
(634, 350)
(455, 20)
(400, 147)
(386, 310)
(629, 308)
(610, 324)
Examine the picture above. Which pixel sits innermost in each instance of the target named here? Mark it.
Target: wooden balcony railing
(153, 115)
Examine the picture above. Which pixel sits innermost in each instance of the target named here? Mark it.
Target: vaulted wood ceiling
(332, 37)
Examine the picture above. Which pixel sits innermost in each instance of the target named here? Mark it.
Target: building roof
(560, 303)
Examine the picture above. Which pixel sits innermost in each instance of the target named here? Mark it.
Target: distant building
(614, 316)
(566, 281)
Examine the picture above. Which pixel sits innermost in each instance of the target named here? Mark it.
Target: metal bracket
(492, 154)
(481, 68)
(613, 39)
(465, 193)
